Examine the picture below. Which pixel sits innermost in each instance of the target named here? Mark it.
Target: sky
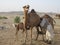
(38, 5)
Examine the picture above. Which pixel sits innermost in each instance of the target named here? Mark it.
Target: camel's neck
(25, 20)
(25, 14)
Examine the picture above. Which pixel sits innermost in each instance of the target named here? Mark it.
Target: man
(46, 24)
(49, 33)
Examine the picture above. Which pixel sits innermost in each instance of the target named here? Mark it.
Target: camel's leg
(26, 37)
(37, 33)
(43, 36)
(37, 36)
(23, 30)
(43, 33)
(17, 34)
(31, 35)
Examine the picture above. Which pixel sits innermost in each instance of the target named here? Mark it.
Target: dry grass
(7, 36)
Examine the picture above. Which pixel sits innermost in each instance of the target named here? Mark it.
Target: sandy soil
(7, 34)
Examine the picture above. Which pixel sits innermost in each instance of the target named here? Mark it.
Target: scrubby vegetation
(17, 19)
(3, 17)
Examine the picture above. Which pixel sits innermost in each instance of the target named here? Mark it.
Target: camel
(50, 19)
(31, 20)
(43, 29)
(19, 26)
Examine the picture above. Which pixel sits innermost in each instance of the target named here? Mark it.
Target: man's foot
(49, 42)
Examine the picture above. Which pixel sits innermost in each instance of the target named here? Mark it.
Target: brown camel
(51, 20)
(31, 20)
(19, 26)
(43, 29)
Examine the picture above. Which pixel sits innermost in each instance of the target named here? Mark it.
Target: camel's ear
(27, 6)
(24, 6)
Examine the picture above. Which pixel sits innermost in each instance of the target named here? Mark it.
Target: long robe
(49, 29)
(49, 32)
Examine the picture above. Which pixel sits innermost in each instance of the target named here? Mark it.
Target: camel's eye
(27, 7)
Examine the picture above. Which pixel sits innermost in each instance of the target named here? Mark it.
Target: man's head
(46, 15)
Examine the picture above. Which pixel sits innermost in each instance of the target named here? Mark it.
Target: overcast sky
(38, 5)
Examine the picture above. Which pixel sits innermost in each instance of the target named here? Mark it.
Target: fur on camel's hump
(33, 19)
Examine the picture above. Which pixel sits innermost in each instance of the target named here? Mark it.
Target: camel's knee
(16, 32)
(23, 31)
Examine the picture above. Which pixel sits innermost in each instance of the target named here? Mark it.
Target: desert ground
(7, 34)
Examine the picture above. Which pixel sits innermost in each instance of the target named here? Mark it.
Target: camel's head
(26, 8)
